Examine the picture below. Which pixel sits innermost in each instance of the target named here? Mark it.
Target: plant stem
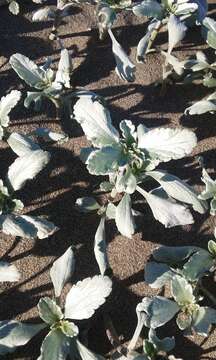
(113, 336)
(153, 36)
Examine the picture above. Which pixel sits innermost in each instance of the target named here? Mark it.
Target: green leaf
(211, 39)
(62, 270)
(14, 334)
(212, 247)
(182, 291)
(124, 217)
(149, 349)
(183, 320)
(49, 311)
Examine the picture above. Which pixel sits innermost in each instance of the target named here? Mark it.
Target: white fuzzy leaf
(14, 334)
(167, 143)
(7, 103)
(100, 248)
(43, 227)
(124, 217)
(8, 272)
(176, 32)
(125, 69)
(86, 296)
(42, 14)
(21, 144)
(17, 226)
(56, 346)
(87, 354)
(64, 68)
(27, 167)
(62, 270)
(95, 121)
(182, 291)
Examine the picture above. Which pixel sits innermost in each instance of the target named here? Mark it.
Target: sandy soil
(65, 179)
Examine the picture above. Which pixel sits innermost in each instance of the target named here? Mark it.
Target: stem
(113, 336)
(208, 294)
(153, 36)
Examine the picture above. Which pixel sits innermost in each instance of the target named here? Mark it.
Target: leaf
(166, 211)
(141, 322)
(182, 291)
(128, 131)
(8, 272)
(184, 320)
(166, 344)
(126, 181)
(186, 8)
(212, 247)
(167, 144)
(125, 69)
(43, 227)
(124, 217)
(49, 311)
(198, 264)
(201, 107)
(14, 7)
(176, 32)
(27, 167)
(62, 270)
(43, 14)
(202, 320)
(50, 135)
(178, 66)
(105, 160)
(7, 103)
(28, 71)
(86, 354)
(17, 226)
(14, 333)
(159, 311)
(157, 275)
(21, 144)
(179, 190)
(87, 204)
(100, 248)
(65, 68)
(95, 121)
(149, 8)
(210, 190)
(174, 254)
(86, 296)
(56, 346)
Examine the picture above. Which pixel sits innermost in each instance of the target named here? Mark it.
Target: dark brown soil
(65, 179)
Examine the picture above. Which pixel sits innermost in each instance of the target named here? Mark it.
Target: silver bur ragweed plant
(129, 158)
(209, 192)
(182, 268)
(171, 13)
(81, 302)
(8, 272)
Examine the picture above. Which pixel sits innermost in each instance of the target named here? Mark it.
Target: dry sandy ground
(65, 179)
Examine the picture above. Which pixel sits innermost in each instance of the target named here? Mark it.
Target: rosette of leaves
(204, 72)
(47, 83)
(209, 192)
(129, 159)
(168, 13)
(81, 302)
(30, 161)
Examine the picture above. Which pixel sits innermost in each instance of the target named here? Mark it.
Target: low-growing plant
(175, 14)
(183, 269)
(209, 192)
(14, 6)
(81, 302)
(129, 159)
(30, 161)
